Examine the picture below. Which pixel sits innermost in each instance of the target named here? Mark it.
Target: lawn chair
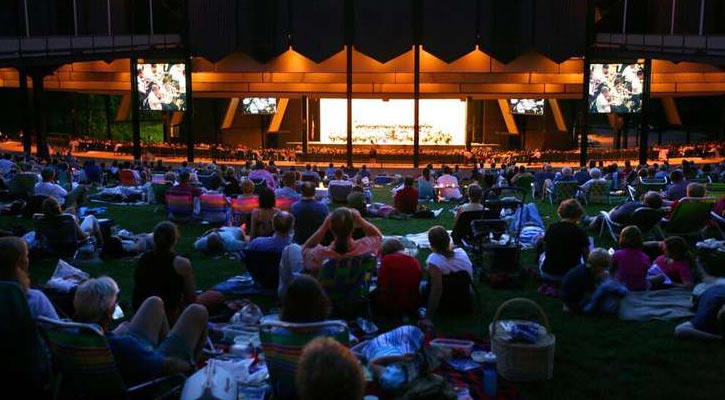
(645, 218)
(527, 183)
(22, 365)
(719, 223)
(263, 266)
(716, 190)
(180, 207)
(282, 344)
(242, 209)
(643, 186)
(259, 185)
(562, 190)
(688, 218)
(58, 236)
(158, 194)
(214, 208)
(462, 229)
(598, 193)
(86, 367)
(284, 203)
(22, 185)
(346, 282)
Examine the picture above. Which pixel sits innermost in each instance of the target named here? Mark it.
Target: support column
(107, 106)
(644, 120)
(417, 39)
(25, 99)
(349, 39)
(189, 112)
(135, 117)
(39, 115)
(584, 128)
(305, 118)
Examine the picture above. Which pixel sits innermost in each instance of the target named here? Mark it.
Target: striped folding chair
(562, 190)
(86, 367)
(282, 344)
(598, 193)
(214, 208)
(284, 203)
(180, 206)
(346, 281)
(242, 208)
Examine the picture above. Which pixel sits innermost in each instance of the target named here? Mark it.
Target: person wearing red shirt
(406, 199)
(399, 279)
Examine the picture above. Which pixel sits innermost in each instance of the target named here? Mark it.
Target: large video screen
(259, 105)
(615, 88)
(161, 87)
(527, 106)
(376, 121)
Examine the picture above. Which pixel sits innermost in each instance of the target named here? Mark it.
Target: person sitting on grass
(145, 347)
(565, 245)
(289, 190)
(327, 370)
(356, 199)
(261, 221)
(406, 199)
(399, 279)
(87, 229)
(579, 283)
(283, 223)
(709, 320)
(630, 264)
(674, 267)
(14, 265)
(161, 272)
(475, 195)
(305, 301)
(450, 272)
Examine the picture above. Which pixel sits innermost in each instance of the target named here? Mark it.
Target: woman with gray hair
(144, 348)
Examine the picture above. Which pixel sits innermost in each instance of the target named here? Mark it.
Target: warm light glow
(442, 122)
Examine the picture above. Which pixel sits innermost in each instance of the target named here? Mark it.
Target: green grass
(596, 357)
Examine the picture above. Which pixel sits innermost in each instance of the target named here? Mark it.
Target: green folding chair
(85, 367)
(716, 190)
(598, 193)
(282, 344)
(562, 190)
(688, 218)
(643, 186)
(347, 283)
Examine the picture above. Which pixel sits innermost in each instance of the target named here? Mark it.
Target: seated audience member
(425, 185)
(450, 272)
(674, 267)
(386, 352)
(185, 186)
(356, 199)
(565, 244)
(449, 185)
(622, 214)
(339, 179)
(475, 195)
(290, 267)
(259, 172)
(341, 223)
(327, 370)
(363, 173)
(310, 176)
(14, 264)
(399, 279)
(596, 177)
(143, 348)
(231, 183)
(581, 176)
(161, 272)
(630, 263)
(88, 228)
(579, 283)
(288, 190)
(522, 173)
(283, 223)
(119, 246)
(247, 188)
(541, 177)
(694, 190)
(226, 239)
(678, 186)
(709, 320)
(309, 213)
(48, 187)
(305, 301)
(406, 199)
(330, 171)
(261, 219)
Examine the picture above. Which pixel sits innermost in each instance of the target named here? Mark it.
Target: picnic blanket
(661, 305)
(420, 239)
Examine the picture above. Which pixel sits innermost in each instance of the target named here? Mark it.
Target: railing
(662, 17)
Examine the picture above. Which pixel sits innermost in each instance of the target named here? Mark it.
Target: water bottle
(490, 378)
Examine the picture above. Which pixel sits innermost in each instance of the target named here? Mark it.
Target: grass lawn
(596, 357)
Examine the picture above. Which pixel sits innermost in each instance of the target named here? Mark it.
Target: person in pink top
(675, 264)
(630, 263)
(341, 223)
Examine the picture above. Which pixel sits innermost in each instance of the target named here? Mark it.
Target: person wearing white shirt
(49, 188)
(448, 185)
(602, 101)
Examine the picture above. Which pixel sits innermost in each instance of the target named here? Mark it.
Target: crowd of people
(168, 329)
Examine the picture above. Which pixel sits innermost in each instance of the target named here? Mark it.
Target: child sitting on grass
(579, 283)
(630, 263)
(674, 267)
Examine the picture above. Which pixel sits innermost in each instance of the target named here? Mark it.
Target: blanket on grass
(666, 304)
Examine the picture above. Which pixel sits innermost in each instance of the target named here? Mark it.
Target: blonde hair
(94, 298)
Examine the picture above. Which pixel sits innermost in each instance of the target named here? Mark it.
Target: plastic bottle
(490, 380)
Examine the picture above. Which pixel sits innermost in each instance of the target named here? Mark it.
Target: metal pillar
(189, 113)
(135, 121)
(25, 98)
(417, 39)
(305, 118)
(39, 115)
(644, 120)
(349, 38)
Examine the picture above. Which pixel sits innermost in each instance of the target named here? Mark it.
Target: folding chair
(562, 190)
(642, 186)
(719, 223)
(180, 207)
(688, 218)
(259, 185)
(214, 208)
(527, 183)
(282, 344)
(346, 281)
(86, 367)
(645, 218)
(242, 209)
(22, 185)
(57, 236)
(263, 266)
(716, 190)
(462, 229)
(338, 193)
(284, 203)
(598, 193)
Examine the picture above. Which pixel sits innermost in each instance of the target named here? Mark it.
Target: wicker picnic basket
(523, 362)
